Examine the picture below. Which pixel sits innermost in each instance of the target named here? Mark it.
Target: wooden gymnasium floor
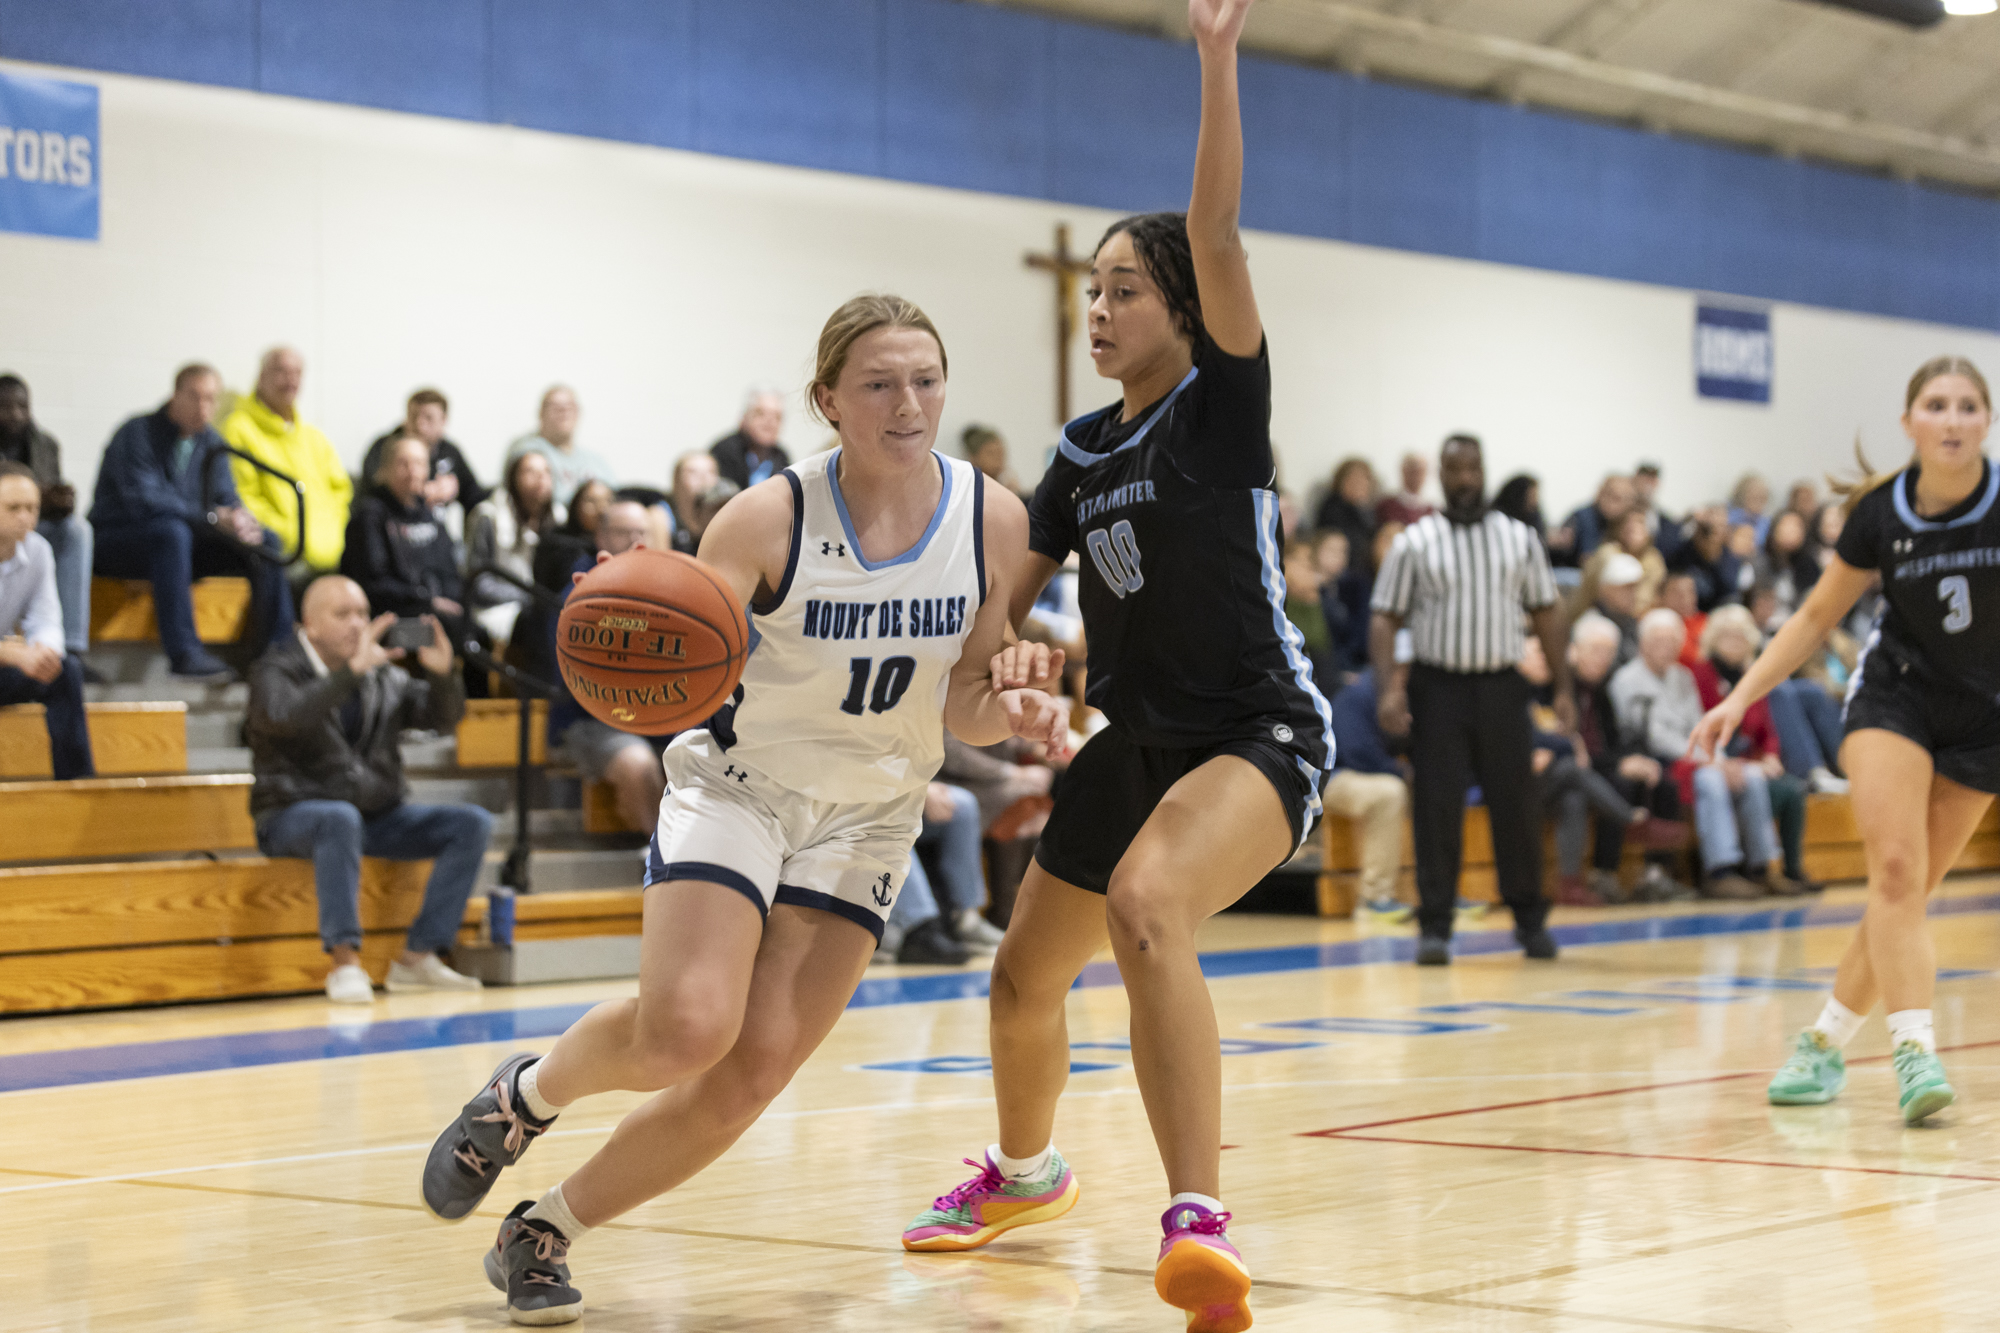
(1501, 1146)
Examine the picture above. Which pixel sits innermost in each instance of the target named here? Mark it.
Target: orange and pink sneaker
(989, 1204)
(1200, 1271)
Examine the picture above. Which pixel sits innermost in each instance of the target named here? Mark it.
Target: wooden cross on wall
(1067, 269)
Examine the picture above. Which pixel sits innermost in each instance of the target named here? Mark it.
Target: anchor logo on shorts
(882, 893)
(733, 772)
(833, 548)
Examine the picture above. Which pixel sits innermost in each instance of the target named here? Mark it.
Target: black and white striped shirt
(1461, 588)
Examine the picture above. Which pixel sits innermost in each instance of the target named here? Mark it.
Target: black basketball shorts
(1959, 728)
(1114, 784)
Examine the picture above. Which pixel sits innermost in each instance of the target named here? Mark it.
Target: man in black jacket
(62, 527)
(403, 558)
(327, 712)
(753, 453)
(1640, 779)
(427, 416)
(165, 514)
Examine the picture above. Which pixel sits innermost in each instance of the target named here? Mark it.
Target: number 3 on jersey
(1955, 590)
(1116, 554)
(894, 679)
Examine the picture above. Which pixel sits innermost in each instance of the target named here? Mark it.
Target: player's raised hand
(1036, 715)
(1218, 22)
(1711, 735)
(1025, 665)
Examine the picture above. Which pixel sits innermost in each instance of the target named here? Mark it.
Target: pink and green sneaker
(989, 1204)
(1200, 1271)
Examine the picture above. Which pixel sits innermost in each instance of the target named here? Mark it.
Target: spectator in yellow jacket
(266, 424)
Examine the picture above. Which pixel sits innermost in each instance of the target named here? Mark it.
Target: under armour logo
(833, 548)
(882, 893)
(1904, 546)
(733, 772)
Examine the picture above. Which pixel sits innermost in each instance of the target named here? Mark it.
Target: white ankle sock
(1198, 1200)
(554, 1209)
(1839, 1023)
(1912, 1025)
(538, 1106)
(1021, 1168)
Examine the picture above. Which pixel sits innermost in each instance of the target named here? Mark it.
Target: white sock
(538, 1106)
(1912, 1025)
(554, 1210)
(1021, 1168)
(1839, 1023)
(1198, 1200)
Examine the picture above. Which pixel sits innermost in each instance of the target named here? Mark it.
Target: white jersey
(842, 699)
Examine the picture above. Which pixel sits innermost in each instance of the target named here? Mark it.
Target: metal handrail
(533, 589)
(260, 551)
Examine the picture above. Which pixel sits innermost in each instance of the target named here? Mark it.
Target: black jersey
(1183, 584)
(1940, 579)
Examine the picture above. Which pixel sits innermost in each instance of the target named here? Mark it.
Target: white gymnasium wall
(397, 250)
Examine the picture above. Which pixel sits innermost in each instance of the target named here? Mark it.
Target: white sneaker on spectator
(1826, 783)
(348, 984)
(976, 932)
(431, 974)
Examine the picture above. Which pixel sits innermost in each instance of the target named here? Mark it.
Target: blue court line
(243, 1050)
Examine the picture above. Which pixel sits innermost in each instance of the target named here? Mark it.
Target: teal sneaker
(1814, 1075)
(989, 1204)
(1921, 1077)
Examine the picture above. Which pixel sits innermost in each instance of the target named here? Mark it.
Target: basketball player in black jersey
(1209, 773)
(1923, 718)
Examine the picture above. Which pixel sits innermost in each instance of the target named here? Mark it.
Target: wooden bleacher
(489, 734)
(121, 610)
(125, 739)
(1833, 852)
(105, 817)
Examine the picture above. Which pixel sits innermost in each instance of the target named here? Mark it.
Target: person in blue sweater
(1367, 788)
(162, 513)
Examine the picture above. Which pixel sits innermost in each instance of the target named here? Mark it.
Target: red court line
(1658, 1157)
(1341, 1130)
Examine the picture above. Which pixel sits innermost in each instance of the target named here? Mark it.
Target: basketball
(651, 642)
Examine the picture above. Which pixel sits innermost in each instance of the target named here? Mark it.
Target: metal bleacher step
(572, 870)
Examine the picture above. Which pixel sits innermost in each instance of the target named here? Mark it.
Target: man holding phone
(327, 712)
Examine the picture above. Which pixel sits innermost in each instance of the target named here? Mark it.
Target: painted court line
(101, 1064)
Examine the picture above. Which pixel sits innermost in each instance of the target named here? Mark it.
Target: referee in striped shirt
(1461, 579)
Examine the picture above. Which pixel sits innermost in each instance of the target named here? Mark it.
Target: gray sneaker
(530, 1262)
(491, 1132)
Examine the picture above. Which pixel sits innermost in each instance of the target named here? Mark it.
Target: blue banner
(48, 157)
(1732, 353)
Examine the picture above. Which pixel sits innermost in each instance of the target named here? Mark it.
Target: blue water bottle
(500, 916)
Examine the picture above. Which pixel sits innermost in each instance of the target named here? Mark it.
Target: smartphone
(408, 632)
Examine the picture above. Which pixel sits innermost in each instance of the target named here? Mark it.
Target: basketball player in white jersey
(877, 576)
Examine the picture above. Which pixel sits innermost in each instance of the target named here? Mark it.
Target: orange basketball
(651, 642)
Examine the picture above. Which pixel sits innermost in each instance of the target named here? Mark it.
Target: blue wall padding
(951, 93)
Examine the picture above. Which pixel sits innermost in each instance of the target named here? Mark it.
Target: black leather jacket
(297, 749)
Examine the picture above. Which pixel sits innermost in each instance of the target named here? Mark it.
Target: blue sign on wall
(48, 157)
(1732, 353)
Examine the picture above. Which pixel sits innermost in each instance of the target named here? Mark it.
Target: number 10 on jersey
(890, 683)
(1116, 554)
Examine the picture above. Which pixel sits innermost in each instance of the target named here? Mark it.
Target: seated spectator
(1349, 508)
(1706, 557)
(1520, 498)
(1810, 730)
(1657, 699)
(1308, 617)
(61, 526)
(1678, 595)
(1632, 536)
(986, 449)
(33, 666)
(1728, 646)
(695, 475)
(1750, 505)
(570, 464)
(1343, 600)
(396, 549)
(1803, 500)
(1012, 785)
(171, 515)
(1367, 788)
(1634, 775)
(1592, 525)
(573, 539)
(1615, 596)
(1570, 792)
(952, 840)
(327, 711)
(266, 425)
(751, 453)
(629, 764)
(1786, 567)
(710, 504)
(1409, 504)
(1645, 498)
(1822, 535)
(915, 932)
(503, 533)
(452, 489)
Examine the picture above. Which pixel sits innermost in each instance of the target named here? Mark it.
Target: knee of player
(1013, 993)
(1897, 874)
(683, 1036)
(759, 1070)
(1140, 907)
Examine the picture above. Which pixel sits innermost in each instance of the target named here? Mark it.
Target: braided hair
(1161, 242)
